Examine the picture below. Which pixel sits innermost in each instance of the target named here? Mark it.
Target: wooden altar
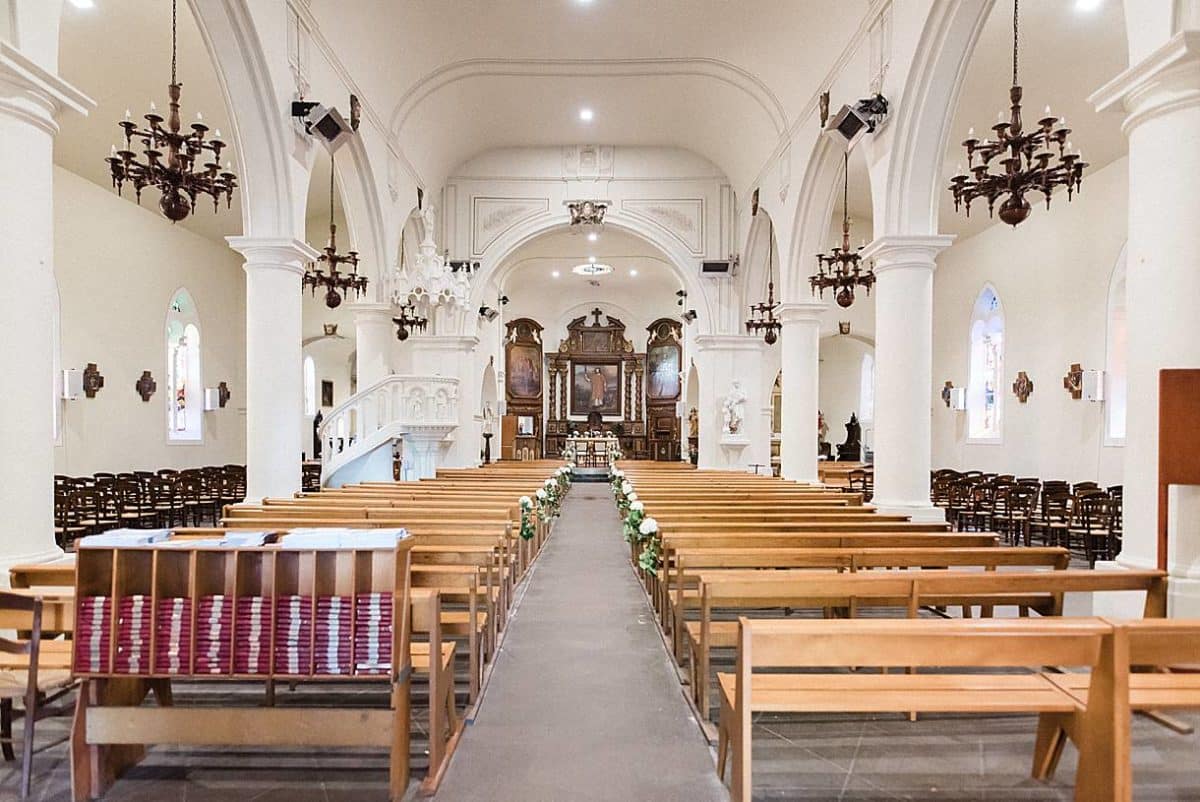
(597, 382)
(521, 427)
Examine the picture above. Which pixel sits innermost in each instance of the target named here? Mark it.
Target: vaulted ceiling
(723, 79)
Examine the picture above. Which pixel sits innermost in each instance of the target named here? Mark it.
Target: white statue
(429, 220)
(734, 408)
(489, 418)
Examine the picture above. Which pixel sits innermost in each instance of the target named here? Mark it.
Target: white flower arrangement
(541, 494)
(648, 526)
(626, 488)
(620, 474)
(637, 505)
(549, 483)
(525, 501)
(632, 497)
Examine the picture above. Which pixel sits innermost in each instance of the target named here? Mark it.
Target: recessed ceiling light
(554, 274)
(592, 259)
(586, 115)
(633, 272)
(84, 3)
(592, 237)
(1088, 5)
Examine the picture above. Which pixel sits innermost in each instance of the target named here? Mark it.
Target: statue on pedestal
(733, 410)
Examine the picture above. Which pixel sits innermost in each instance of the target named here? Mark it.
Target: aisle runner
(583, 703)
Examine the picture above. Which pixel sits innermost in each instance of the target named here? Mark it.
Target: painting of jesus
(595, 387)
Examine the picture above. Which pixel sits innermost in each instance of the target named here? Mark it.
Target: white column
(720, 360)
(274, 363)
(801, 343)
(374, 335)
(1162, 98)
(904, 371)
(30, 98)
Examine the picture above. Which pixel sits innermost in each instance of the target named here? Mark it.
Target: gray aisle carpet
(583, 703)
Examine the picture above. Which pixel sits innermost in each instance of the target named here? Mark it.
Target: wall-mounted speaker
(958, 399)
(72, 384)
(1093, 385)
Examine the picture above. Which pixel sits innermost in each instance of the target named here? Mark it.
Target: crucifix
(597, 313)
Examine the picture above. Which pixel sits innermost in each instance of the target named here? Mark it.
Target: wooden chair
(861, 481)
(1054, 517)
(1090, 518)
(1015, 512)
(26, 679)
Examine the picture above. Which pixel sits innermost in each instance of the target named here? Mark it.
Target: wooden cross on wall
(597, 313)
(145, 385)
(1022, 387)
(1073, 381)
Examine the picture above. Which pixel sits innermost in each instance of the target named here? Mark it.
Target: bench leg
(723, 724)
(1048, 748)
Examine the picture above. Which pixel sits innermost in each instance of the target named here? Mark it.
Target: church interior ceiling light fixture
(762, 315)
(592, 268)
(408, 321)
(1039, 160)
(182, 166)
(841, 270)
(337, 284)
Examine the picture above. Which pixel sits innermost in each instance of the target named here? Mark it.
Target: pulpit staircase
(358, 436)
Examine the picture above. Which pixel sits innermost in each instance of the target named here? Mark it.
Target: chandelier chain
(174, 35)
(845, 189)
(1016, 38)
(331, 189)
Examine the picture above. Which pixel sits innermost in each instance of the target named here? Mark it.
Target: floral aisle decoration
(648, 531)
(637, 512)
(617, 477)
(624, 500)
(526, 504)
(568, 454)
(614, 453)
(543, 503)
(563, 477)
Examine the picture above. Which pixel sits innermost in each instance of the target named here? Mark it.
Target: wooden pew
(1041, 592)
(1157, 643)
(992, 644)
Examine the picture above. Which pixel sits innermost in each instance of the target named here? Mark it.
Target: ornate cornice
(34, 94)
(1166, 80)
(274, 253)
(803, 311)
(894, 251)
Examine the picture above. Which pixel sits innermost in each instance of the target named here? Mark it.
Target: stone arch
(260, 131)
(759, 256)
(359, 194)
(819, 190)
(681, 263)
(925, 113)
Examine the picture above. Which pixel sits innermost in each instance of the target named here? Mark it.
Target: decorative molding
(492, 217)
(145, 386)
(682, 218)
(588, 161)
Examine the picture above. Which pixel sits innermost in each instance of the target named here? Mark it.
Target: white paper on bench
(118, 538)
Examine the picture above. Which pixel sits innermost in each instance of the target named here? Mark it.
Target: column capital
(906, 250)
(274, 253)
(1166, 80)
(368, 312)
(801, 312)
(33, 94)
(444, 342)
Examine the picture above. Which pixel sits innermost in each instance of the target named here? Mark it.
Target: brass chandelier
(1025, 159)
(337, 284)
(408, 319)
(174, 162)
(762, 315)
(841, 269)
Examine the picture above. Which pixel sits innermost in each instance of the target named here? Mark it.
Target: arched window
(866, 389)
(185, 388)
(1116, 358)
(310, 387)
(985, 401)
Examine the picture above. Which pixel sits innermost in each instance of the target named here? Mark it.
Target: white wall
(117, 267)
(1052, 275)
(841, 384)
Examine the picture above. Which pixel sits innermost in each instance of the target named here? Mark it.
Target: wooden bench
(910, 590)
(980, 644)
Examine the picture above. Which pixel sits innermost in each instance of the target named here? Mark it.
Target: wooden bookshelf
(112, 727)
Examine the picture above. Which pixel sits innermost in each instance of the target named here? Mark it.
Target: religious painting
(326, 393)
(662, 363)
(524, 426)
(595, 387)
(524, 371)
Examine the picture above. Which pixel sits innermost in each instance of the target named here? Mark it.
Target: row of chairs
(86, 505)
(1082, 517)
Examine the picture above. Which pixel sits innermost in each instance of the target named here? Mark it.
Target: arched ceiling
(724, 79)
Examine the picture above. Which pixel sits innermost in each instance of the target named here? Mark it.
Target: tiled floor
(568, 750)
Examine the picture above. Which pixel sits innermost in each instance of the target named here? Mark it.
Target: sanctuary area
(539, 400)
